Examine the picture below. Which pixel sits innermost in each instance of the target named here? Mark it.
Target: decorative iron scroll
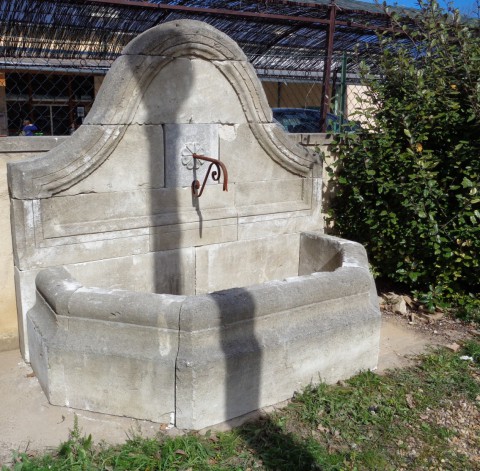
(215, 174)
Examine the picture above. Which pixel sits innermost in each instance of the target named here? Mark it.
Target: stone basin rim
(69, 298)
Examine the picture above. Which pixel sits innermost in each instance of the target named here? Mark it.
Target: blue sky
(467, 7)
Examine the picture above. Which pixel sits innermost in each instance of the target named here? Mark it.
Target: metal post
(327, 66)
(343, 89)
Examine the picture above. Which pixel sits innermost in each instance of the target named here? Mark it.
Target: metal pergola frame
(295, 36)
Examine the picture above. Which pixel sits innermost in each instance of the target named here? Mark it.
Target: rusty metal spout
(215, 174)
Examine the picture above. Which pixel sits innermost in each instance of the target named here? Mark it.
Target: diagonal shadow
(240, 339)
(277, 449)
(242, 352)
(242, 347)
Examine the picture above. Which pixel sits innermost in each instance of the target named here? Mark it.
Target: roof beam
(234, 13)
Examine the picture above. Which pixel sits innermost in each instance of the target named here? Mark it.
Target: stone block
(12, 149)
(65, 165)
(171, 272)
(238, 144)
(181, 142)
(137, 163)
(28, 146)
(23, 230)
(123, 343)
(103, 246)
(241, 348)
(175, 39)
(243, 78)
(263, 361)
(271, 192)
(177, 205)
(122, 90)
(94, 212)
(244, 263)
(187, 86)
(258, 227)
(318, 254)
(114, 205)
(25, 296)
(193, 234)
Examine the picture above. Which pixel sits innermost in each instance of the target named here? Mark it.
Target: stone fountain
(139, 297)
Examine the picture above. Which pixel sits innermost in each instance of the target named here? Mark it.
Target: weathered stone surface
(319, 253)
(244, 263)
(170, 272)
(29, 145)
(123, 343)
(69, 163)
(135, 164)
(279, 147)
(13, 149)
(188, 86)
(181, 142)
(240, 349)
(242, 77)
(193, 234)
(185, 38)
(266, 341)
(264, 360)
(25, 295)
(271, 192)
(98, 247)
(238, 145)
(122, 88)
(258, 227)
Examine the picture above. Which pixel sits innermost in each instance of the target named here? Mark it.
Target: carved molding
(121, 94)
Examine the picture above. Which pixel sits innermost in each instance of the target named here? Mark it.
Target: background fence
(54, 54)
(57, 101)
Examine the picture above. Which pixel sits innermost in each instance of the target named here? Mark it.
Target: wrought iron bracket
(215, 175)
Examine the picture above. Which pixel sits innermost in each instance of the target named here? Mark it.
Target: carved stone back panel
(119, 189)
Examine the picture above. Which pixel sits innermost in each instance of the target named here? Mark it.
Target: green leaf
(402, 203)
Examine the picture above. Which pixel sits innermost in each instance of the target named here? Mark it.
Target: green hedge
(407, 182)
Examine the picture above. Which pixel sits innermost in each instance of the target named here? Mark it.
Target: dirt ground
(29, 423)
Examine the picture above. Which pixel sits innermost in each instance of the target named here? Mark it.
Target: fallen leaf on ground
(410, 401)
(454, 347)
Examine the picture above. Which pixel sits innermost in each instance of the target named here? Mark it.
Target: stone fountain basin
(198, 360)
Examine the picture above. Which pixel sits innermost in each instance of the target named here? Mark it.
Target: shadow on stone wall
(243, 354)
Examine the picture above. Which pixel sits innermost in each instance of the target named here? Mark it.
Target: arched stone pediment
(124, 99)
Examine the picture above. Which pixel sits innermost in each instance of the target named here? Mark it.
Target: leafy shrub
(408, 180)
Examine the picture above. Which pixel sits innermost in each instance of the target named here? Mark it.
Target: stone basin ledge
(201, 360)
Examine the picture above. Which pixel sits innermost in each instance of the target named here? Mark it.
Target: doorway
(51, 119)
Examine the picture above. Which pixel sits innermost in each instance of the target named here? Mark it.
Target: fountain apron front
(203, 309)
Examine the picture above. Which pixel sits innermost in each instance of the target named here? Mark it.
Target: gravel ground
(461, 416)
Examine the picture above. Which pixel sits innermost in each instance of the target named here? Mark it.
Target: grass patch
(415, 418)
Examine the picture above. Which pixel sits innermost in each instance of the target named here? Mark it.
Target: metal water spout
(215, 174)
